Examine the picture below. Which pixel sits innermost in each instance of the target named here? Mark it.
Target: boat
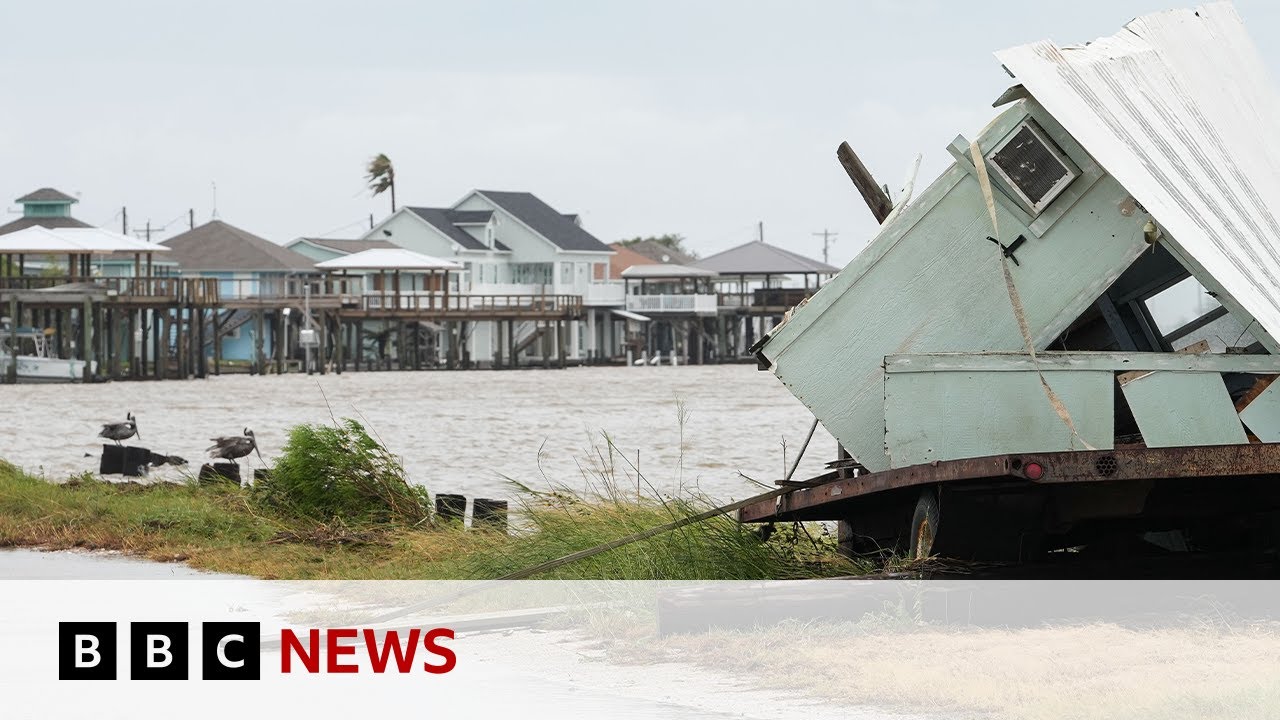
(35, 357)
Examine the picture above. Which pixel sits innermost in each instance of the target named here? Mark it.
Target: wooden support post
(259, 323)
(12, 370)
(278, 334)
(340, 346)
(86, 329)
(546, 342)
(130, 351)
(358, 350)
(142, 344)
(109, 339)
(202, 367)
(216, 320)
(160, 344)
(872, 193)
(179, 343)
(511, 344)
(322, 352)
(562, 341)
(462, 345)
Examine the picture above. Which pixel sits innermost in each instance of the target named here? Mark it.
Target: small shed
(1114, 171)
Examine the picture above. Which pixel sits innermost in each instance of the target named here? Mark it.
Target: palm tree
(382, 177)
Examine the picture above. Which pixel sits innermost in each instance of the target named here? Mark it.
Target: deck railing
(429, 302)
(277, 288)
(766, 297)
(700, 304)
(181, 290)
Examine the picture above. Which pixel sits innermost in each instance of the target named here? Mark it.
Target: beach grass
(224, 528)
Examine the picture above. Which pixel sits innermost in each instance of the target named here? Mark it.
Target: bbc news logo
(231, 651)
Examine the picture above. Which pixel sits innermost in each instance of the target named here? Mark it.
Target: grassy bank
(228, 529)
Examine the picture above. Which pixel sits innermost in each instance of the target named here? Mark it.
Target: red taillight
(1033, 471)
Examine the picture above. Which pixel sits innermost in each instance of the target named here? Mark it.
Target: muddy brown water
(461, 432)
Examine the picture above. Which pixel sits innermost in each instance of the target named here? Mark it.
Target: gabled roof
(45, 222)
(761, 258)
(658, 252)
(217, 245)
(556, 227)
(442, 219)
(46, 195)
(394, 258)
(345, 246)
(73, 241)
(623, 258)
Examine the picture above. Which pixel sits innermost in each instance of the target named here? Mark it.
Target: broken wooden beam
(873, 194)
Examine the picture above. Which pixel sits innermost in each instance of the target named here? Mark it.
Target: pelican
(235, 446)
(158, 459)
(120, 431)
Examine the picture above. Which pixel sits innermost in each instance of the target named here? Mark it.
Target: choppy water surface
(457, 431)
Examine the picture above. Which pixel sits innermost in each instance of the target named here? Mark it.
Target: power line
(827, 238)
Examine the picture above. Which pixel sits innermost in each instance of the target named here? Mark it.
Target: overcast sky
(698, 118)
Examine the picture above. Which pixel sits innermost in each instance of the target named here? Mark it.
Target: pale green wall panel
(947, 415)
(1176, 409)
(931, 282)
(1262, 416)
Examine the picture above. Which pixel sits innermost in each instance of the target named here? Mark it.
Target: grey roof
(45, 222)
(349, 246)
(546, 221)
(658, 252)
(46, 195)
(761, 258)
(441, 219)
(219, 246)
(469, 217)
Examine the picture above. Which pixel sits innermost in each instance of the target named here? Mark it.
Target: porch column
(592, 351)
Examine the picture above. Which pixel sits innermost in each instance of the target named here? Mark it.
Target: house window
(599, 271)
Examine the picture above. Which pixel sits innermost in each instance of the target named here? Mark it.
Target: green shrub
(340, 473)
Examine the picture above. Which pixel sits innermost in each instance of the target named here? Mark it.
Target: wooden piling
(13, 338)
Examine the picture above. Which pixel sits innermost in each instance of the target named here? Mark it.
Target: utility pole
(370, 221)
(827, 236)
(148, 229)
(191, 219)
(761, 231)
(124, 221)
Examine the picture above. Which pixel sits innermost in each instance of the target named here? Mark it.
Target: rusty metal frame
(1059, 468)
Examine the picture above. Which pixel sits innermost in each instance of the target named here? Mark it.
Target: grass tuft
(341, 474)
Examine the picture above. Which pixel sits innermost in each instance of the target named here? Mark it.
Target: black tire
(924, 525)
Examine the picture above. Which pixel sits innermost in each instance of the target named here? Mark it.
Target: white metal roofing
(388, 259)
(36, 240)
(665, 270)
(630, 315)
(1178, 108)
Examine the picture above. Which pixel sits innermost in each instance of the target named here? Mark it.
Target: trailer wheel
(924, 525)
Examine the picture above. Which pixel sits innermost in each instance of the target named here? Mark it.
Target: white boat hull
(42, 369)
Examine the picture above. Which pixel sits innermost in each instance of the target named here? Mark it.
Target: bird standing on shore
(235, 447)
(120, 431)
